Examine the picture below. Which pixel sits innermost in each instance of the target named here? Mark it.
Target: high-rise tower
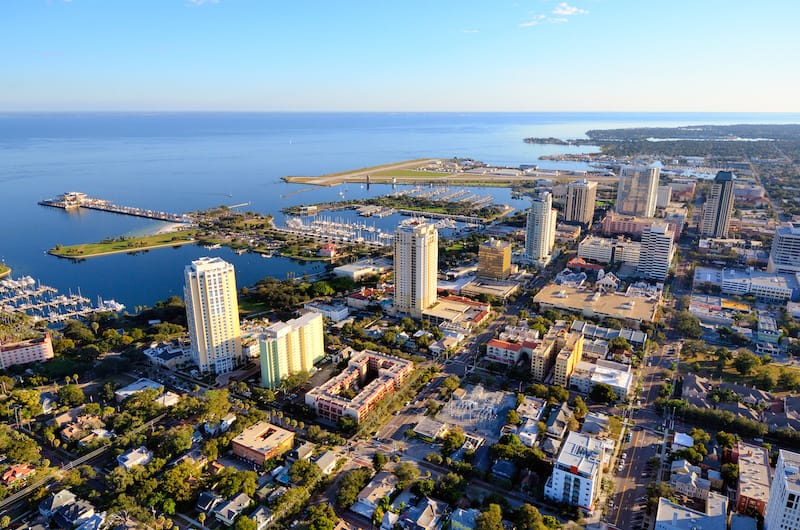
(540, 233)
(212, 314)
(581, 196)
(719, 206)
(416, 257)
(638, 190)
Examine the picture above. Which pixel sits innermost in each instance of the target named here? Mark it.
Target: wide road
(630, 485)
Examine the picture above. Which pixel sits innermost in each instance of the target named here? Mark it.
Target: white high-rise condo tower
(656, 251)
(783, 507)
(540, 233)
(416, 260)
(638, 190)
(719, 206)
(212, 313)
(785, 255)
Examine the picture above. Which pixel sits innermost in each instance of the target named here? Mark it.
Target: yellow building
(291, 347)
(212, 313)
(569, 355)
(494, 259)
(542, 360)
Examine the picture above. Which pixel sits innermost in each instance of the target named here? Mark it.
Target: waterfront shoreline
(176, 243)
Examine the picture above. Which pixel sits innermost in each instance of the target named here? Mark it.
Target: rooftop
(263, 436)
(791, 469)
(754, 478)
(589, 302)
(671, 516)
(581, 455)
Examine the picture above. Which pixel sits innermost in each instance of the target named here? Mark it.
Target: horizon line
(322, 111)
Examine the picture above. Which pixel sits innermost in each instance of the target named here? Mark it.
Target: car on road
(624, 456)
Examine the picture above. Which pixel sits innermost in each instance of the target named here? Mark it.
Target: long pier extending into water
(74, 199)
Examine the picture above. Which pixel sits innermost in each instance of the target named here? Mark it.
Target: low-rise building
(335, 312)
(37, 350)
(426, 515)
(569, 355)
(369, 377)
(54, 502)
(608, 250)
(430, 430)
(754, 478)
(228, 511)
(634, 337)
(672, 516)
(577, 472)
(381, 485)
(463, 519)
(361, 269)
(508, 353)
(458, 312)
(628, 307)
(168, 355)
(17, 473)
(261, 442)
(137, 386)
(71, 515)
(587, 375)
(327, 462)
(141, 456)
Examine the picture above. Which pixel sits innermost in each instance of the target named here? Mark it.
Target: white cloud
(566, 10)
(535, 21)
(470, 31)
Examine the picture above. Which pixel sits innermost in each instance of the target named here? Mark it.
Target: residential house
(227, 512)
(370, 497)
(207, 501)
(16, 473)
(73, 514)
(140, 456)
(262, 516)
(558, 421)
(327, 462)
(54, 502)
(463, 519)
(426, 515)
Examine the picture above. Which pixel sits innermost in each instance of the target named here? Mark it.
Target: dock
(74, 199)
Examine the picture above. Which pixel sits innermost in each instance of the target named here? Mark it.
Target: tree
(5, 521)
(322, 517)
(557, 394)
(687, 324)
(424, 487)
(407, 472)
(451, 441)
(579, 408)
(491, 519)
(216, 404)
(726, 440)
(211, 449)
(789, 379)
(245, 523)
(529, 518)
(305, 473)
(202, 518)
(175, 441)
(231, 481)
(699, 436)
(352, 483)
(378, 461)
(451, 383)
(512, 418)
(730, 473)
(745, 362)
(603, 393)
(177, 481)
(619, 344)
(450, 487)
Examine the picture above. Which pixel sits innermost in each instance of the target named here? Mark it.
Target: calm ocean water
(186, 161)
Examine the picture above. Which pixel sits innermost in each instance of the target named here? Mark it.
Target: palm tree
(67, 379)
(202, 518)
(75, 378)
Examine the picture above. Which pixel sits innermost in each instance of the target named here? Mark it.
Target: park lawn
(118, 245)
(248, 306)
(708, 367)
(4, 270)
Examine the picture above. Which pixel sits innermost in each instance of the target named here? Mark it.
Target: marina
(41, 302)
(73, 200)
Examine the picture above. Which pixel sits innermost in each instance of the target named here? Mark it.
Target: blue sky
(402, 55)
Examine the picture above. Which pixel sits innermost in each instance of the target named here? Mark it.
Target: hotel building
(28, 351)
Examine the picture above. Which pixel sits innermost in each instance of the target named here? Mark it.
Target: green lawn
(118, 245)
(410, 173)
(4, 270)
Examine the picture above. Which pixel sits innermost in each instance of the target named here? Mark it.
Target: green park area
(124, 244)
(4, 271)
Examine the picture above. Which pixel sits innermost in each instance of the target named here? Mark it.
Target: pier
(73, 200)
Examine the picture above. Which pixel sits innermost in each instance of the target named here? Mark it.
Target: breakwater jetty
(73, 200)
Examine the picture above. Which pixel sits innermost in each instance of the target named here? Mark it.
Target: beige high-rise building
(288, 348)
(719, 207)
(540, 232)
(638, 190)
(568, 357)
(494, 259)
(581, 197)
(416, 260)
(212, 314)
